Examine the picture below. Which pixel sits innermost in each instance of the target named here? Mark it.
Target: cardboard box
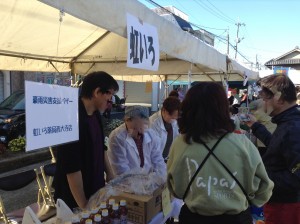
(142, 208)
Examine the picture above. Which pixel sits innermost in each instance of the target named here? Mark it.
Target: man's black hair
(98, 79)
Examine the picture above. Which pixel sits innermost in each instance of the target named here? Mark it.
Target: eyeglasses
(109, 92)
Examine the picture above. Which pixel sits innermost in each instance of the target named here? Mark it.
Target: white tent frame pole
(161, 93)
(33, 57)
(190, 76)
(92, 45)
(93, 64)
(166, 87)
(51, 63)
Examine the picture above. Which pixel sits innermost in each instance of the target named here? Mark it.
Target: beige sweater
(264, 119)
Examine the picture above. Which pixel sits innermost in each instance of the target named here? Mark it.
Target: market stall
(76, 37)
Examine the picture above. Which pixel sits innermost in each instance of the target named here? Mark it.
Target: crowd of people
(192, 142)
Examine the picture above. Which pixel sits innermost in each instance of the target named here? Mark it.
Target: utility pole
(257, 63)
(228, 41)
(238, 40)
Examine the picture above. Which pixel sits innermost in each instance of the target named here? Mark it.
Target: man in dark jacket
(81, 165)
(282, 158)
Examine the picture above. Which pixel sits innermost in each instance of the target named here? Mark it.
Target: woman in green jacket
(216, 172)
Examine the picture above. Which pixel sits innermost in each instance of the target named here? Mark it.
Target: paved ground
(21, 198)
(10, 161)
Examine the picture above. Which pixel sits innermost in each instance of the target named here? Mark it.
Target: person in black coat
(81, 164)
(282, 157)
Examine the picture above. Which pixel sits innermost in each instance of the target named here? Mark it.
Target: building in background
(11, 81)
(285, 62)
(181, 19)
(288, 64)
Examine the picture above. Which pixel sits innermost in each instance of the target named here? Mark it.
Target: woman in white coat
(164, 123)
(133, 145)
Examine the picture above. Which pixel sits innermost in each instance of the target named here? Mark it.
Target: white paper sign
(143, 45)
(51, 115)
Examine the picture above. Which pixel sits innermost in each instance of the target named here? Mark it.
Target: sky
(272, 27)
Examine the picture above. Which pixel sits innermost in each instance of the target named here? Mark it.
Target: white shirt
(157, 124)
(124, 156)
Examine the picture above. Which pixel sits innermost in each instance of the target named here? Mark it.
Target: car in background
(12, 117)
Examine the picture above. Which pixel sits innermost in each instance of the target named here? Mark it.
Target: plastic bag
(135, 181)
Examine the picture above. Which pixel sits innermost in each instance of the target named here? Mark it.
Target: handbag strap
(201, 165)
(228, 171)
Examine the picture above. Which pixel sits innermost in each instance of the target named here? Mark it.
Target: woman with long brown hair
(216, 172)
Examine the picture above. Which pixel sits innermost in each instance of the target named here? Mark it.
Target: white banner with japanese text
(51, 115)
(143, 45)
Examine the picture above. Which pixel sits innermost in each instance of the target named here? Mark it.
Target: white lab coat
(124, 156)
(157, 124)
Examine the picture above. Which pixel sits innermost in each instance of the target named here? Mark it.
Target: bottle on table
(93, 213)
(75, 219)
(123, 212)
(115, 214)
(97, 219)
(105, 218)
(84, 216)
(102, 207)
(88, 221)
(111, 202)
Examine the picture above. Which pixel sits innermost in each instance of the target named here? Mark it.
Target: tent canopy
(87, 35)
(235, 68)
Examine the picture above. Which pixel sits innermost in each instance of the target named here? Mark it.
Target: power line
(197, 19)
(248, 36)
(195, 25)
(263, 49)
(200, 26)
(223, 40)
(213, 12)
(207, 8)
(220, 11)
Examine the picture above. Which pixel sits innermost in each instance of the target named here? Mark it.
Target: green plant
(17, 144)
(110, 125)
